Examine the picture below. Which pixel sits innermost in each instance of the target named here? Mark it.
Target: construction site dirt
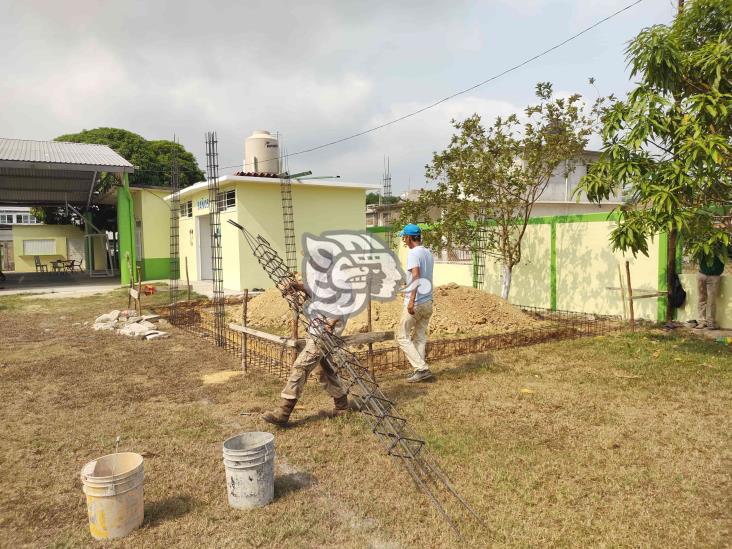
(518, 327)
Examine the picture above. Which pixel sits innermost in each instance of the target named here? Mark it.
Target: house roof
(228, 180)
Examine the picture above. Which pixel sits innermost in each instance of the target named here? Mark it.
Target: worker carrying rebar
(415, 319)
(308, 360)
(342, 271)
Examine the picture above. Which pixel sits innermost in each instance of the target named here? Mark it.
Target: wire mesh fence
(274, 358)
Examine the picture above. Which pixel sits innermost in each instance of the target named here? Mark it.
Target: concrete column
(126, 230)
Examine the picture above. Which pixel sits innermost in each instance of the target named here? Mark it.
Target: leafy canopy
(152, 159)
(667, 146)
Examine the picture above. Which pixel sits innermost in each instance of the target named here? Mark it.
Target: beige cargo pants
(708, 287)
(308, 359)
(412, 334)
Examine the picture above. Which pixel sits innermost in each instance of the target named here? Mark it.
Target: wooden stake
(244, 360)
(630, 296)
(139, 290)
(370, 359)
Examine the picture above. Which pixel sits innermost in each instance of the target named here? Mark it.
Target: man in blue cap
(412, 329)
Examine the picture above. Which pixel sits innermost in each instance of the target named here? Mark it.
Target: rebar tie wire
(391, 430)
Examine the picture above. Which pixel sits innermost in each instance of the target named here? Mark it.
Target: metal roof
(22, 153)
(45, 173)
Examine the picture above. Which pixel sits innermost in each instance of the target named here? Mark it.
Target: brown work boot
(280, 416)
(341, 406)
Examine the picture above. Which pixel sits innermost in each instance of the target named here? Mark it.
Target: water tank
(261, 153)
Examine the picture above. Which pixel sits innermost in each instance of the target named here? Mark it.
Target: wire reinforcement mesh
(276, 359)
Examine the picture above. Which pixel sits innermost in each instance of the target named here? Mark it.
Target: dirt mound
(458, 310)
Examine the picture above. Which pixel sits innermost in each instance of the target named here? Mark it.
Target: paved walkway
(56, 285)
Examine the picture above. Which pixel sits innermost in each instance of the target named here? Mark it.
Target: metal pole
(244, 360)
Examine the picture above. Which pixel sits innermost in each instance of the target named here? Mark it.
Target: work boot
(280, 416)
(420, 375)
(340, 406)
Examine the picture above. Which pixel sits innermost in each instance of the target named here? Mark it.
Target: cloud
(313, 71)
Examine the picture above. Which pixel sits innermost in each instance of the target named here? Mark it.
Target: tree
(667, 145)
(376, 198)
(489, 180)
(152, 159)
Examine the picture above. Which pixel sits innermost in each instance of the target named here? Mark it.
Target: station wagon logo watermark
(342, 268)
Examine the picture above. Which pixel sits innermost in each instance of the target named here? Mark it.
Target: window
(6, 219)
(227, 199)
(39, 247)
(186, 209)
(25, 219)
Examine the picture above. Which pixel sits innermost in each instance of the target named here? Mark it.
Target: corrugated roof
(61, 153)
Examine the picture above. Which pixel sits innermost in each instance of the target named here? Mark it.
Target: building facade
(256, 203)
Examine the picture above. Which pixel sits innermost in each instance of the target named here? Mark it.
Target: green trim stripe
(544, 220)
(662, 270)
(553, 267)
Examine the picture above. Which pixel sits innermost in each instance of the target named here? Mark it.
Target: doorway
(203, 251)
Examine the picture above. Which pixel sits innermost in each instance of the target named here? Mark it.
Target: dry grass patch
(621, 440)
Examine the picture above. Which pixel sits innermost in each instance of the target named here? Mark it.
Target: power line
(461, 92)
(453, 95)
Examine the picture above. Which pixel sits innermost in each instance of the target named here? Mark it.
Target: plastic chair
(40, 267)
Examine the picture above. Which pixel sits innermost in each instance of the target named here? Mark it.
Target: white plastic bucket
(249, 462)
(113, 485)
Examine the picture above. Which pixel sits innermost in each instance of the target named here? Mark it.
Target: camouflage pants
(308, 360)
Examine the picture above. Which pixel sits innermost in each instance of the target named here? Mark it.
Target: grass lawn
(622, 440)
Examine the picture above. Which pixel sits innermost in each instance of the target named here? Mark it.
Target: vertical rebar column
(481, 245)
(174, 235)
(386, 193)
(212, 169)
(288, 216)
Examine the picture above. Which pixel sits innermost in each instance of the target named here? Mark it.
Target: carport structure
(53, 173)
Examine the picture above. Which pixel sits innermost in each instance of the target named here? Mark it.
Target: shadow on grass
(167, 509)
(483, 363)
(292, 482)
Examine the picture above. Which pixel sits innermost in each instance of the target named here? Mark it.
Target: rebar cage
(263, 355)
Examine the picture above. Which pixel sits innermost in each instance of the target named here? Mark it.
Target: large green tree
(667, 146)
(152, 159)
(488, 180)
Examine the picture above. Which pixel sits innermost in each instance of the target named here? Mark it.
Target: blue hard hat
(410, 230)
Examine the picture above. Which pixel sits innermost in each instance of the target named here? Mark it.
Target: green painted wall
(126, 230)
(157, 268)
(568, 264)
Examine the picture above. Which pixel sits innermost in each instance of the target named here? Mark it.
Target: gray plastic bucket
(113, 485)
(249, 462)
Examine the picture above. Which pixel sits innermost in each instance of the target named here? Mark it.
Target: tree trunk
(506, 286)
(670, 271)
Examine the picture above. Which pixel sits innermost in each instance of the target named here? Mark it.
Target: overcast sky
(314, 71)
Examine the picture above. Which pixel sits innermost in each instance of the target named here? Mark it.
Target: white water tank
(262, 153)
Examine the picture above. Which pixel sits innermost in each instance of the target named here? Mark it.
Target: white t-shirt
(421, 257)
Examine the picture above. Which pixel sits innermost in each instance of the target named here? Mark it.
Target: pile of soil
(458, 310)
